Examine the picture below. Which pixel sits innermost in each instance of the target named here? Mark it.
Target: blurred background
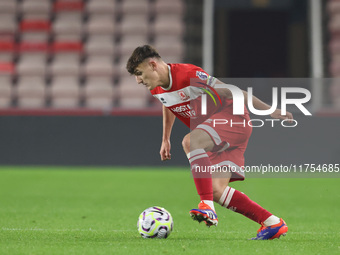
(67, 99)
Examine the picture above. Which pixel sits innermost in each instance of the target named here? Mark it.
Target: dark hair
(139, 55)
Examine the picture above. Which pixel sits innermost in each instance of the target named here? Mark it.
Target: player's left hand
(277, 114)
(165, 150)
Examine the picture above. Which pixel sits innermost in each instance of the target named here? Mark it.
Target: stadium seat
(29, 65)
(99, 45)
(333, 7)
(35, 6)
(100, 24)
(165, 7)
(134, 6)
(8, 24)
(8, 6)
(172, 58)
(33, 57)
(101, 6)
(68, 27)
(5, 91)
(131, 94)
(67, 47)
(99, 92)
(7, 49)
(65, 92)
(170, 46)
(63, 64)
(98, 65)
(34, 25)
(33, 47)
(168, 25)
(7, 68)
(129, 42)
(335, 92)
(66, 58)
(65, 39)
(334, 46)
(31, 92)
(68, 6)
(134, 24)
(35, 30)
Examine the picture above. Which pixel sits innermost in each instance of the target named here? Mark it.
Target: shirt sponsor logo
(185, 111)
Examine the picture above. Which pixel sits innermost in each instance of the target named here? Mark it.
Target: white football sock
(210, 203)
(272, 220)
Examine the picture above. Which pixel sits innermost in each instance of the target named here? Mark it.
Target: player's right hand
(165, 150)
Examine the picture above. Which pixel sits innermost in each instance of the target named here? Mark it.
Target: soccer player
(181, 88)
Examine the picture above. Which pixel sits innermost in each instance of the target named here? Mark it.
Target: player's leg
(195, 145)
(233, 157)
(272, 226)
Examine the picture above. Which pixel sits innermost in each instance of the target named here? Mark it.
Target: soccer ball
(155, 222)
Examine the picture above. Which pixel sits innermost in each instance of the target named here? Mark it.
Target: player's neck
(165, 78)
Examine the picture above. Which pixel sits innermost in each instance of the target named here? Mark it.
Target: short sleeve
(206, 78)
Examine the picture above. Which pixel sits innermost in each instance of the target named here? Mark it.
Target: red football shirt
(183, 97)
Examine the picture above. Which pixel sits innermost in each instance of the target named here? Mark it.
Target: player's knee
(186, 143)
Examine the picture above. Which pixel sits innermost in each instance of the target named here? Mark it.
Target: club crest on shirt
(182, 95)
(203, 76)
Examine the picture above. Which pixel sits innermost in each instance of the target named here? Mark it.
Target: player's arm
(168, 122)
(260, 105)
(257, 103)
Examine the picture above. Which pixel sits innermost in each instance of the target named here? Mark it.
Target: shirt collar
(170, 78)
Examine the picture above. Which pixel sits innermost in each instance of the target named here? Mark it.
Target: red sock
(241, 203)
(200, 164)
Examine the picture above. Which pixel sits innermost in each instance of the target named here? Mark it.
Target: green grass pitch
(94, 211)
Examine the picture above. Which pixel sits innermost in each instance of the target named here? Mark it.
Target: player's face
(146, 74)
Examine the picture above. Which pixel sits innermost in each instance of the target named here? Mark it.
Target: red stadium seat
(58, 47)
(7, 46)
(62, 5)
(33, 47)
(6, 68)
(35, 30)
(7, 49)
(35, 25)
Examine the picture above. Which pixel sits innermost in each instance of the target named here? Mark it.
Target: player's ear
(153, 65)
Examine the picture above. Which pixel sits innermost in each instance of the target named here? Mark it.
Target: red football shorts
(230, 134)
